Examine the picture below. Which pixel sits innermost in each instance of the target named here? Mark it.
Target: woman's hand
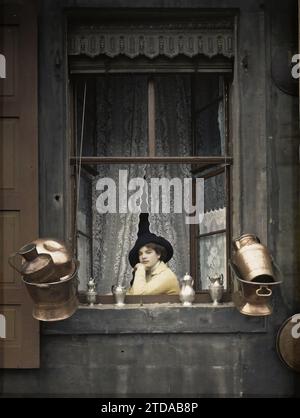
(139, 266)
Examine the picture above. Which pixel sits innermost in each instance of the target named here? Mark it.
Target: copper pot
(38, 268)
(254, 298)
(60, 253)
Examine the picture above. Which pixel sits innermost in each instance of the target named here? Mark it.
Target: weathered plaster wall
(231, 363)
(166, 365)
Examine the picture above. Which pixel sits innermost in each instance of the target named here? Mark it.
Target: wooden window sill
(156, 318)
(201, 297)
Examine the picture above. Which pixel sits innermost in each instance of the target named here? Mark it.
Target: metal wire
(78, 165)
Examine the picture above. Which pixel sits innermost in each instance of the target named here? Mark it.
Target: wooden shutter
(19, 332)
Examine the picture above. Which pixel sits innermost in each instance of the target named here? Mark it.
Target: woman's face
(148, 257)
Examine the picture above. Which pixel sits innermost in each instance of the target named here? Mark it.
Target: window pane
(189, 115)
(84, 229)
(212, 258)
(107, 232)
(115, 122)
(84, 251)
(212, 235)
(209, 115)
(173, 115)
(189, 108)
(114, 233)
(214, 203)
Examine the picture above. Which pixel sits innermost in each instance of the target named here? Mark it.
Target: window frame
(224, 162)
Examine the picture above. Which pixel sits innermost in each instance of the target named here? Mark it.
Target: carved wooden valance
(153, 40)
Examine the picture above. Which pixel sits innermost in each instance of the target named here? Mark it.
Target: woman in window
(148, 257)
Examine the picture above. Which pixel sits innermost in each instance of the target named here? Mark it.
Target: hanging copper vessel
(253, 298)
(54, 301)
(252, 259)
(36, 268)
(60, 253)
(50, 275)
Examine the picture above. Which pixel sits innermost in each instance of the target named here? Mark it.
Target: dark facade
(176, 351)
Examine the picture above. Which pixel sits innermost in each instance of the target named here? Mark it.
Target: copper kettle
(35, 268)
(252, 259)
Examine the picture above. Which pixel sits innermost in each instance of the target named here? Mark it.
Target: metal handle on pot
(263, 294)
(11, 263)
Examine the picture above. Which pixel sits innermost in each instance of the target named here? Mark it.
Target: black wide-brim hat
(146, 237)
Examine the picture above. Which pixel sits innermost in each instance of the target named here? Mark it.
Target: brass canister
(252, 259)
(54, 301)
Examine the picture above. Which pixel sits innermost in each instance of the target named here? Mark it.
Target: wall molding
(153, 40)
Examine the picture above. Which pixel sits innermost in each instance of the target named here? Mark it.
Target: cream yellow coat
(161, 280)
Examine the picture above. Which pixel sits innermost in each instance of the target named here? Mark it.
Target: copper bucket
(253, 259)
(253, 298)
(54, 301)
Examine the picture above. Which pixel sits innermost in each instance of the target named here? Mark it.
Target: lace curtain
(118, 126)
(173, 138)
(121, 130)
(212, 248)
